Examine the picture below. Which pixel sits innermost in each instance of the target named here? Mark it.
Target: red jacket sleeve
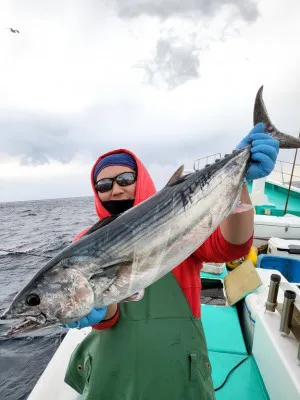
(217, 249)
(108, 323)
(80, 234)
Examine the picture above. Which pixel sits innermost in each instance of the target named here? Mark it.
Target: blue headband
(115, 159)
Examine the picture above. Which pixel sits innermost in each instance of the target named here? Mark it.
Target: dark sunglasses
(124, 179)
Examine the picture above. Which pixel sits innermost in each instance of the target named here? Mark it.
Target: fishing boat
(270, 218)
(279, 194)
(247, 351)
(277, 204)
(246, 348)
(276, 350)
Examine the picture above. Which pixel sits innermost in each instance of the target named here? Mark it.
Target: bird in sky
(13, 30)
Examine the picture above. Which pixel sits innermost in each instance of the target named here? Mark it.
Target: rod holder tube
(271, 302)
(287, 311)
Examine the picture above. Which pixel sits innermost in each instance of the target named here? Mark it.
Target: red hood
(144, 185)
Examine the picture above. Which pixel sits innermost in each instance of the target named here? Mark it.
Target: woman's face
(117, 192)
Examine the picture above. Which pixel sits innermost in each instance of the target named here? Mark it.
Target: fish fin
(176, 177)
(108, 273)
(260, 114)
(109, 269)
(99, 224)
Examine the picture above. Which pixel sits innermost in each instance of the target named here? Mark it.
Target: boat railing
(284, 168)
(202, 162)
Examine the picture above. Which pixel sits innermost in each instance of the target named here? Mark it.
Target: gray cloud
(176, 57)
(94, 9)
(155, 132)
(188, 149)
(174, 63)
(189, 8)
(153, 138)
(36, 138)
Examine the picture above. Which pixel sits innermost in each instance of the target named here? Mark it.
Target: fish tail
(260, 114)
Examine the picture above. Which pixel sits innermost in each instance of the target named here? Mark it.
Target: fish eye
(32, 300)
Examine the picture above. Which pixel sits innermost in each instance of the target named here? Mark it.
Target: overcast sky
(171, 80)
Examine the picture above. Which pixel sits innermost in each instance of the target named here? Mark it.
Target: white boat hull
(267, 226)
(51, 384)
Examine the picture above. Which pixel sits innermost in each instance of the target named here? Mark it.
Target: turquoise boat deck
(227, 348)
(277, 195)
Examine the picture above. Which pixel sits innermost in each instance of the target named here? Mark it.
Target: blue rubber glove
(94, 317)
(264, 152)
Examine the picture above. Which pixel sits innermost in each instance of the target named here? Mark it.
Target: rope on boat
(230, 372)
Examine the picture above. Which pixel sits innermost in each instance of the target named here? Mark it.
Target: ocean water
(41, 228)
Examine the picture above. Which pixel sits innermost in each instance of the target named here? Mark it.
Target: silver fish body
(158, 234)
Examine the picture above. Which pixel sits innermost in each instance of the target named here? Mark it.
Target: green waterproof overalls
(156, 351)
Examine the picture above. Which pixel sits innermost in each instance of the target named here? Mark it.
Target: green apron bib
(156, 351)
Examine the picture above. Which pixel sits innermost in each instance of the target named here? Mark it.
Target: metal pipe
(271, 302)
(291, 180)
(287, 311)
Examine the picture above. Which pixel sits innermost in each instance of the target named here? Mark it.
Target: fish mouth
(29, 324)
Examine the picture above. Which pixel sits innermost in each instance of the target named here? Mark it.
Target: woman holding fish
(152, 345)
(148, 246)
